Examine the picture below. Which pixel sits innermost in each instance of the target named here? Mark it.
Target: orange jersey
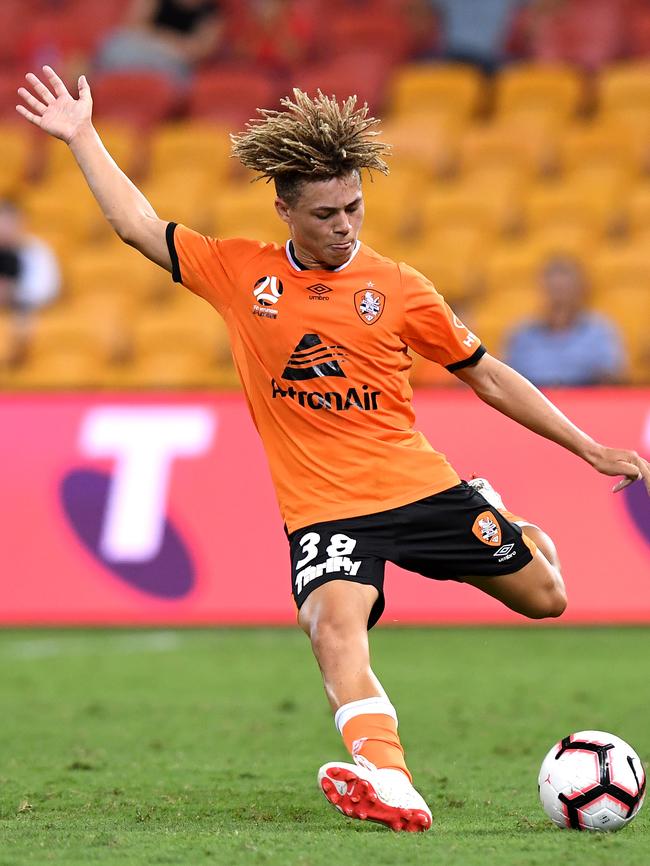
(322, 357)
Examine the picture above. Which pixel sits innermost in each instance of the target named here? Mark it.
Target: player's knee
(549, 602)
(330, 631)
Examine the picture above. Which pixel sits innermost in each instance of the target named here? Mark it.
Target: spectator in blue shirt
(475, 31)
(567, 344)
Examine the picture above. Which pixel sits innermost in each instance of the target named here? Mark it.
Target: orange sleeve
(207, 266)
(431, 327)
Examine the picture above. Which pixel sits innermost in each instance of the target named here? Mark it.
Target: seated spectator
(475, 31)
(588, 33)
(29, 273)
(166, 36)
(567, 344)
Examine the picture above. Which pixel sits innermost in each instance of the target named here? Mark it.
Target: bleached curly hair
(310, 140)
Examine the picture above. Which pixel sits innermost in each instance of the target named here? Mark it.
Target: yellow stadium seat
(628, 307)
(392, 203)
(538, 89)
(576, 241)
(600, 145)
(447, 90)
(637, 209)
(180, 147)
(573, 206)
(451, 257)
(184, 344)
(622, 267)
(15, 144)
(425, 142)
(513, 265)
(634, 124)
(497, 316)
(121, 141)
(65, 203)
(112, 267)
(10, 334)
(498, 147)
(459, 204)
(182, 197)
(625, 86)
(63, 352)
(248, 211)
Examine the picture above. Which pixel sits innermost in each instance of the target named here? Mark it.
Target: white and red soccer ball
(592, 780)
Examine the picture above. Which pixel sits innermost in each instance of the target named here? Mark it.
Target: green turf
(202, 747)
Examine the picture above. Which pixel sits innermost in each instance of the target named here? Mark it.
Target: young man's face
(325, 220)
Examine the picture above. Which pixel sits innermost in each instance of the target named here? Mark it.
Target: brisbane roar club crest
(486, 529)
(369, 305)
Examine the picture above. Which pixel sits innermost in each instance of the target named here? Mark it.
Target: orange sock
(369, 729)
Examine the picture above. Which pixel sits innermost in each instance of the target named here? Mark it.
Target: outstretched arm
(55, 111)
(501, 387)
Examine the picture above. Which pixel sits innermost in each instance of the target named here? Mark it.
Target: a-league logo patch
(369, 305)
(486, 529)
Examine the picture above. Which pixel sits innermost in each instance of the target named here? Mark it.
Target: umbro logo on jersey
(318, 292)
(312, 359)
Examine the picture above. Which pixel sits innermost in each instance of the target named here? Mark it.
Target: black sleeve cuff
(468, 362)
(173, 255)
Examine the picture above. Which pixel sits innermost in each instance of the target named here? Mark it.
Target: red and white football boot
(386, 796)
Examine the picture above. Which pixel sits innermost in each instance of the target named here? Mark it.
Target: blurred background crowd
(520, 181)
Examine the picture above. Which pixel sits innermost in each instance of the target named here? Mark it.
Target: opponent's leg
(378, 785)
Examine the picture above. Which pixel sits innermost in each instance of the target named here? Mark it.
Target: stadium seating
(626, 85)
(247, 211)
(14, 155)
(179, 147)
(488, 178)
(63, 351)
(428, 142)
(182, 344)
(637, 209)
(140, 99)
(542, 90)
(231, 95)
(362, 74)
(354, 32)
(450, 90)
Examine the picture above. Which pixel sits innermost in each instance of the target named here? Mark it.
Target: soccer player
(320, 330)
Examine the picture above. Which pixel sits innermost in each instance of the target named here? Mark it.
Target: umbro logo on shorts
(311, 359)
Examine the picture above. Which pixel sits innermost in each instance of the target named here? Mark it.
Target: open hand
(53, 109)
(612, 461)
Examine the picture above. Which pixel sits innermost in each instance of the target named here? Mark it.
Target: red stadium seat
(138, 98)
(365, 75)
(230, 95)
(354, 32)
(588, 33)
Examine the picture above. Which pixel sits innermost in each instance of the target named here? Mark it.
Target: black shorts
(447, 536)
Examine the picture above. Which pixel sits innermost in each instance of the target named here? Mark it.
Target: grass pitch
(202, 747)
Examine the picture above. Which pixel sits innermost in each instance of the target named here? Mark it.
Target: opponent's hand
(611, 461)
(53, 109)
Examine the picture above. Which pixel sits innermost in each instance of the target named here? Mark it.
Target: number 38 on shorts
(320, 556)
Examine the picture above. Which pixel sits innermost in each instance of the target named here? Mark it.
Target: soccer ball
(591, 781)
